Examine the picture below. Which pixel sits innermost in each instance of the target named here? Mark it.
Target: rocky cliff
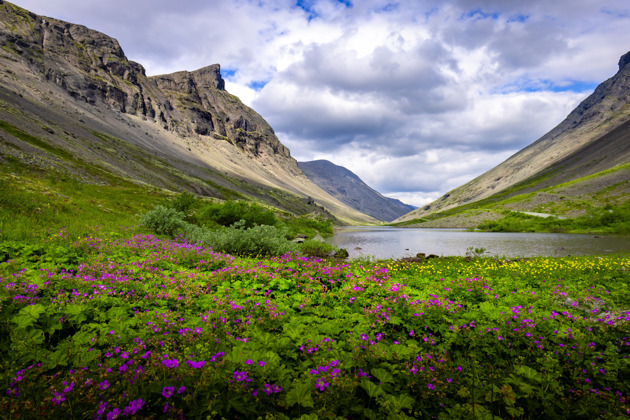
(72, 89)
(593, 137)
(350, 189)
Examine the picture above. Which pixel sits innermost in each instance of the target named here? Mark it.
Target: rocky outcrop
(92, 67)
(350, 189)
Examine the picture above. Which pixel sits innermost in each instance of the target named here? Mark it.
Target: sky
(416, 97)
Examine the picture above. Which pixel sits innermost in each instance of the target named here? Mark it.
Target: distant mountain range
(72, 104)
(582, 162)
(350, 189)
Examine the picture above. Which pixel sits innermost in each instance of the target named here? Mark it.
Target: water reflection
(389, 242)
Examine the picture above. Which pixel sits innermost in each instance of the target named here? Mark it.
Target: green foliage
(316, 248)
(238, 239)
(184, 202)
(230, 212)
(164, 220)
(214, 335)
(608, 219)
(308, 226)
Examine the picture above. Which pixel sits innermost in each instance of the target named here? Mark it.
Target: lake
(391, 242)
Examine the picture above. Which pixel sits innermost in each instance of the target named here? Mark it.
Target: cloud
(415, 97)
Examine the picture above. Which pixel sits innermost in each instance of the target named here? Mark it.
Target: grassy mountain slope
(72, 105)
(579, 165)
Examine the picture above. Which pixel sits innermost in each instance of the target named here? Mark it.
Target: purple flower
(321, 384)
(195, 365)
(249, 362)
(181, 389)
(133, 407)
(261, 363)
(58, 398)
(170, 363)
(241, 376)
(104, 385)
(168, 391)
(430, 386)
(69, 387)
(165, 408)
(113, 414)
(101, 409)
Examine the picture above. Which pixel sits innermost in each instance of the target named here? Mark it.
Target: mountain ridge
(350, 189)
(607, 109)
(74, 89)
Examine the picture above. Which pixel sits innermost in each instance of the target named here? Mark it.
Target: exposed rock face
(73, 88)
(350, 189)
(600, 114)
(93, 68)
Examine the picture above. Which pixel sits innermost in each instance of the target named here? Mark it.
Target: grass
(607, 220)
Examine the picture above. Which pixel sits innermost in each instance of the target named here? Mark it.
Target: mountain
(72, 104)
(584, 158)
(350, 189)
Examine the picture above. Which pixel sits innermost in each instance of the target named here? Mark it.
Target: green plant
(183, 202)
(164, 221)
(473, 252)
(316, 248)
(262, 240)
(230, 212)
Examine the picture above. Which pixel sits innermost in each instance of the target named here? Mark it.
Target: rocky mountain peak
(624, 60)
(209, 77)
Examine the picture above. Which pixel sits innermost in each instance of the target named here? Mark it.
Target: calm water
(388, 242)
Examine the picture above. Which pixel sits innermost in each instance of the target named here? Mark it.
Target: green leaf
(528, 373)
(383, 375)
(28, 315)
(514, 411)
(373, 390)
(76, 313)
(400, 402)
(300, 394)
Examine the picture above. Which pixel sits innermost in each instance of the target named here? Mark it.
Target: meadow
(106, 326)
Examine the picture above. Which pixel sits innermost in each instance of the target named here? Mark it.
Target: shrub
(309, 226)
(315, 248)
(183, 201)
(164, 220)
(238, 240)
(230, 212)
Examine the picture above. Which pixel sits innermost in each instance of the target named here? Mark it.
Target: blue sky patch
(518, 18)
(227, 73)
(306, 5)
(480, 14)
(529, 85)
(257, 84)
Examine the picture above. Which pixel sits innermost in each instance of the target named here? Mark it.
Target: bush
(230, 212)
(261, 240)
(315, 248)
(164, 221)
(183, 201)
(309, 226)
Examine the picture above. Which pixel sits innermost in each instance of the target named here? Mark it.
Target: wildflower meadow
(144, 327)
